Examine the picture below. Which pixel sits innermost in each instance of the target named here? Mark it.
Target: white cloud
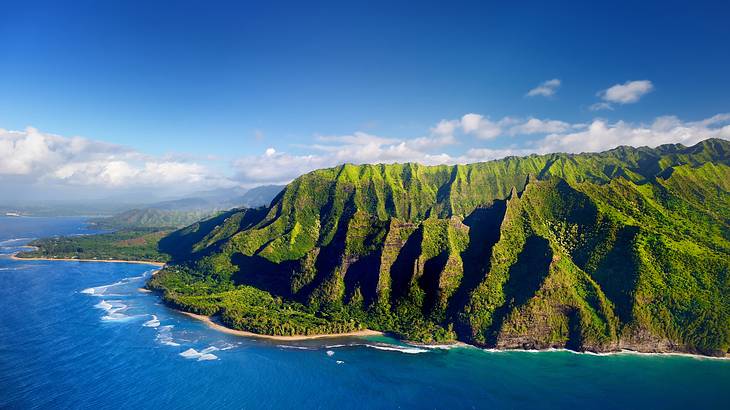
(445, 127)
(545, 89)
(601, 135)
(281, 167)
(600, 106)
(626, 93)
(480, 127)
(538, 126)
(39, 157)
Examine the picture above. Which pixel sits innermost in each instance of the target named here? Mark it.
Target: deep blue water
(81, 335)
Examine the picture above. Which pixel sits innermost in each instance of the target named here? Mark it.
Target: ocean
(81, 335)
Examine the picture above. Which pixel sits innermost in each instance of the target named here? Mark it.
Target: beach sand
(213, 325)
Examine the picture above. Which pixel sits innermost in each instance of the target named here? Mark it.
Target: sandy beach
(15, 257)
(213, 325)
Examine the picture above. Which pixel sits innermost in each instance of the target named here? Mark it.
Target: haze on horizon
(136, 100)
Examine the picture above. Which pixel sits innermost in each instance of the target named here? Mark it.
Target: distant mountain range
(185, 211)
(624, 249)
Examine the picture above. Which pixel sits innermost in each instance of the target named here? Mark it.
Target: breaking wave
(164, 336)
(381, 346)
(202, 355)
(113, 309)
(294, 347)
(154, 322)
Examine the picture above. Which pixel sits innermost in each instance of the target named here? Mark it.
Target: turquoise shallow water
(80, 335)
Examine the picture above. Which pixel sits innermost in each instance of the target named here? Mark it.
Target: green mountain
(628, 248)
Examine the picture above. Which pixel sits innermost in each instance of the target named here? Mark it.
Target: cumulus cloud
(626, 93)
(481, 127)
(275, 166)
(473, 124)
(545, 89)
(538, 126)
(39, 157)
(552, 136)
(601, 135)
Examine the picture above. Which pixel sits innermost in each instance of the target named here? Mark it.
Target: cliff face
(628, 248)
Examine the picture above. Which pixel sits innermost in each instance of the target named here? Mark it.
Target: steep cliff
(629, 248)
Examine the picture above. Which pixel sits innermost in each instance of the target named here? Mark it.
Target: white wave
(446, 347)
(200, 355)
(112, 309)
(383, 346)
(9, 241)
(154, 322)
(103, 305)
(294, 347)
(606, 354)
(227, 346)
(101, 290)
(190, 353)
(395, 348)
(330, 353)
(340, 362)
(164, 336)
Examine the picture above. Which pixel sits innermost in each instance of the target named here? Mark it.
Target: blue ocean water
(81, 335)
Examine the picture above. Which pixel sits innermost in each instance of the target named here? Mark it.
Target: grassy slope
(626, 248)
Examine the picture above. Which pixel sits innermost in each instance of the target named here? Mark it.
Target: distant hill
(184, 211)
(259, 196)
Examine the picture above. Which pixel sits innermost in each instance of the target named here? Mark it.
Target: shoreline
(221, 328)
(367, 332)
(627, 352)
(17, 258)
(458, 344)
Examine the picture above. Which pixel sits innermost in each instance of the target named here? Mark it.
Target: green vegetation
(245, 307)
(151, 218)
(628, 248)
(137, 245)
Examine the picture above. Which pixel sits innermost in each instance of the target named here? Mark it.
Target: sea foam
(382, 346)
(113, 309)
(164, 336)
(154, 322)
(202, 355)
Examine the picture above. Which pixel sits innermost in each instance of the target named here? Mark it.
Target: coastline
(16, 257)
(368, 332)
(457, 344)
(217, 326)
(626, 352)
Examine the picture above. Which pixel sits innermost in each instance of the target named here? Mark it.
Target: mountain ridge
(627, 248)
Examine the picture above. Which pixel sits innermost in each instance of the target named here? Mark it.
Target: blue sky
(225, 90)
